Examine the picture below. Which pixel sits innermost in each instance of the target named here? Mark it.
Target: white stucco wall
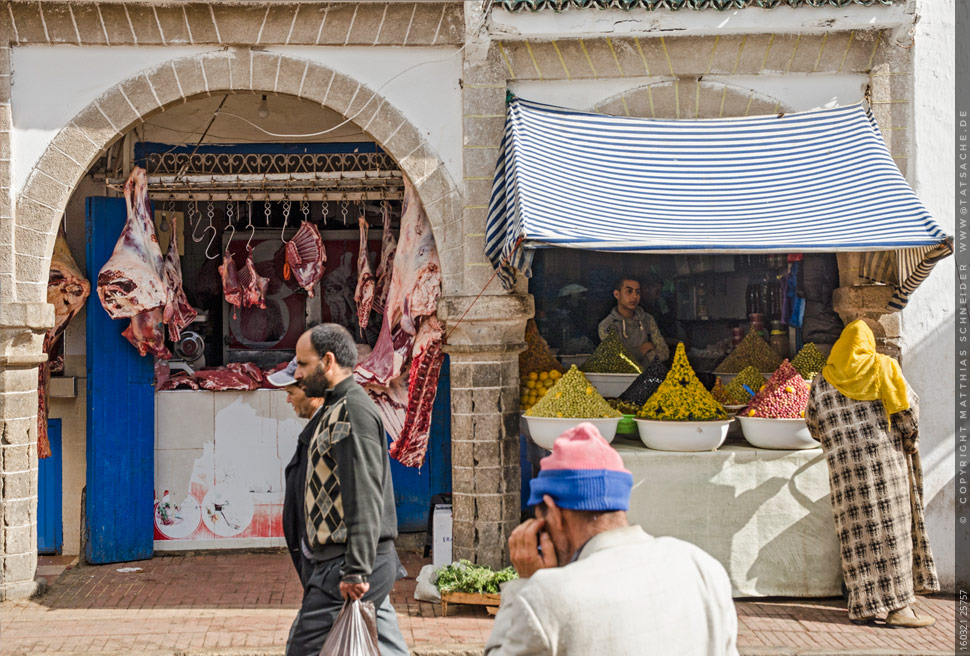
(929, 320)
(423, 83)
(797, 92)
(51, 85)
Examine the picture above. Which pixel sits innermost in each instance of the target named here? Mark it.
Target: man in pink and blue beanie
(591, 583)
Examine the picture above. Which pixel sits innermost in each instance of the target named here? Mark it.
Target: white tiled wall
(234, 439)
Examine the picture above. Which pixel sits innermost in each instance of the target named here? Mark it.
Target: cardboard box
(441, 536)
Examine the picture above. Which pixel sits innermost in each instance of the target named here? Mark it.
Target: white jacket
(628, 594)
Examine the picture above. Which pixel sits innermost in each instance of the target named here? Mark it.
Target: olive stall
(729, 230)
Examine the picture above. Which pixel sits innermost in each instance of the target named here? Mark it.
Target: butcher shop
(207, 260)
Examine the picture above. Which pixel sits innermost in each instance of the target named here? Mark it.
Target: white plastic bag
(355, 631)
(426, 590)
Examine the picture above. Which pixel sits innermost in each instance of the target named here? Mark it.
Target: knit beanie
(583, 473)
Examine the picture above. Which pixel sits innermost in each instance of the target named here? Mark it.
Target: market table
(765, 515)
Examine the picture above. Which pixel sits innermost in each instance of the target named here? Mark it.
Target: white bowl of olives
(786, 434)
(545, 430)
(683, 435)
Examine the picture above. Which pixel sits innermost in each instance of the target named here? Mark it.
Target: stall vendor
(636, 328)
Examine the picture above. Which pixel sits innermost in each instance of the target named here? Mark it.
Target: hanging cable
(348, 119)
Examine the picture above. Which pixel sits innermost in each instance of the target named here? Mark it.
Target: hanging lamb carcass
(305, 256)
(67, 290)
(131, 284)
(408, 350)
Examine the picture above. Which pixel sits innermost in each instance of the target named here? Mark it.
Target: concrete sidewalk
(243, 604)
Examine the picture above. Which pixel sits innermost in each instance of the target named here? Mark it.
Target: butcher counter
(220, 457)
(765, 515)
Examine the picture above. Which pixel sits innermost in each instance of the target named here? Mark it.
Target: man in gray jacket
(592, 584)
(636, 329)
(348, 509)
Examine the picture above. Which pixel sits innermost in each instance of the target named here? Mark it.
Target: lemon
(533, 376)
(531, 384)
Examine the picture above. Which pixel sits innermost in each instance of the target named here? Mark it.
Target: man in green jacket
(349, 510)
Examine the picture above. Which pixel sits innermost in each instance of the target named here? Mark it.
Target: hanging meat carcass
(412, 444)
(305, 256)
(178, 312)
(364, 296)
(413, 293)
(253, 285)
(146, 332)
(385, 266)
(231, 289)
(67, 290)
(411, 303)
(131, 283)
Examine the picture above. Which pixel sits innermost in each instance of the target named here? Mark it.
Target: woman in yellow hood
(866, 417)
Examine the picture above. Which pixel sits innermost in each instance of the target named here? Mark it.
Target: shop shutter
(120, 415)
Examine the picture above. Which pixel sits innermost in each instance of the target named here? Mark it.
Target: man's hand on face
(646, 347)
(353, 591)
(524, 546)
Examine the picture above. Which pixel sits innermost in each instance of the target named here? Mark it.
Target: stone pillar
(483, 350)
(868, 302)
(22, 329)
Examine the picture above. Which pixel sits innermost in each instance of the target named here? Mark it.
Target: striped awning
(817, 181)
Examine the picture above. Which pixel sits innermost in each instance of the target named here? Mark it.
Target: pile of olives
(682, 397)
(572, 397)
(612, 357)
(537, 357)
(737, 389)
(645, 384)
(753, 351)
(809, 361)
(783, 397)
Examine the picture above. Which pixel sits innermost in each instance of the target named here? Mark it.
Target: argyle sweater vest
(323, 504)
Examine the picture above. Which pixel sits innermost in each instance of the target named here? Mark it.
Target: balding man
(344, 497)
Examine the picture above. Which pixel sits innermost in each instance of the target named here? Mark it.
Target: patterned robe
(877, 498)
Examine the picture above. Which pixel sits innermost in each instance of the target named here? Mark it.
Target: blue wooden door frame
(119, 523)
(413, 488)
(50, 527)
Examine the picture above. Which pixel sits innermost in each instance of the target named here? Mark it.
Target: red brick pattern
(247, 601)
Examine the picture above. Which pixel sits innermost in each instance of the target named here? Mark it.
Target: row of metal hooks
(195, 218)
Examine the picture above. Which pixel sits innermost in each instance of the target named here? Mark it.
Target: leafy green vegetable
(466, 576)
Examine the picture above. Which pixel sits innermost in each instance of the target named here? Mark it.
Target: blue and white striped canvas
(814, 181)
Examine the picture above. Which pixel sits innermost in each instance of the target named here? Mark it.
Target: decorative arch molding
(689, 98)
(55, 176)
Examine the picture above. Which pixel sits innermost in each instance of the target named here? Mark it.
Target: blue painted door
(50, 529)
(120, 416)
(413, 488)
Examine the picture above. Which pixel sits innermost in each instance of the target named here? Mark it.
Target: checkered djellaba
(877, 498)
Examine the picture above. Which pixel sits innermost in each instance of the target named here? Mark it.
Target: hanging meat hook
(249, 213)
(195, 215)
(344, 209)
(305, 207)
(326, 209)
(286, 216)
(230, 212)
(211, 212)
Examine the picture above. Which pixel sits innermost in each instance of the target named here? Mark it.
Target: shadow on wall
(938, 446)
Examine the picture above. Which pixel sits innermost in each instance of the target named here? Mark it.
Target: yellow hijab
(858, 372)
